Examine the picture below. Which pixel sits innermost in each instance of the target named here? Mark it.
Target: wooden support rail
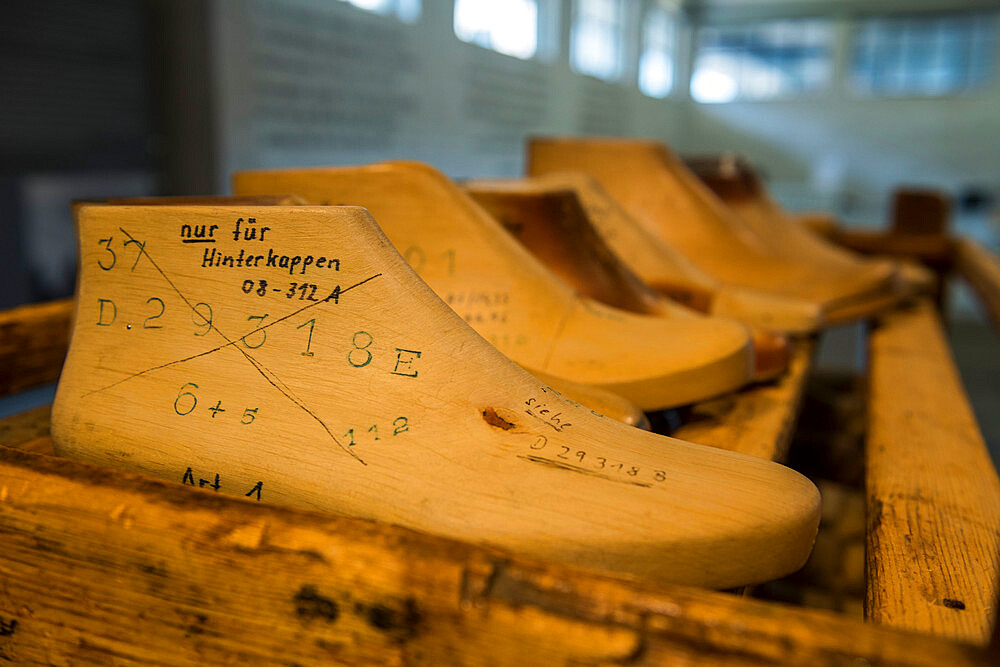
(929, 248)
(33, 342)
(102, 566)
(28, 431)
(932, 491)
(99, 565)
(981, 269)
(759, 420)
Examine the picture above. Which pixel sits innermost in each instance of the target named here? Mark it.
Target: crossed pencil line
(265, 372)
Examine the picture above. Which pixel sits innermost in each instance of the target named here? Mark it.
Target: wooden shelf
(932, 492)
(99, 565)
(104, 566)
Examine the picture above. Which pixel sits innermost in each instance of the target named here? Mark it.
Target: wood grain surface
(760, 419)
(664, 196)
(28, 430)
(932, 491)
(933, 249)
(100, 566)
(33, 342)
(510, 298)
(552, 220)
(981, 269)
(368, 396)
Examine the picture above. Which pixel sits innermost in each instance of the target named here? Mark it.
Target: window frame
(534, 55)
(990, 64)
(830, 80)
(669, 47)
(396, 9)
(621, 66)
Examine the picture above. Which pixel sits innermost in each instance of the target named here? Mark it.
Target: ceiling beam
(742, 10)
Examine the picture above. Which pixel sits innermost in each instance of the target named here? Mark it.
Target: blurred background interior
(837, 102)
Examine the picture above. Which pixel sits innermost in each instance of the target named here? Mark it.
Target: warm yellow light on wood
(290, 355)
(513, 300)
(671, 204)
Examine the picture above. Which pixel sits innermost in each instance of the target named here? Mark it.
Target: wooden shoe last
(551, 222)
(516, 303)
(664, 269)
(604, 402)
(737, 184)
(290, 355)
(671, 203)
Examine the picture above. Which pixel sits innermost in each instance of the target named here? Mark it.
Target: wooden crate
(102, 566)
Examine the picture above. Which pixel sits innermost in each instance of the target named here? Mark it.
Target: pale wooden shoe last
(732, 181)
(516, 303)
(665, 197)
(668, 272)
(173, 371)
(604, 402)
(551, 222)
(735, 181)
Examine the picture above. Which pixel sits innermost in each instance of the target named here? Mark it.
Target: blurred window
(507, 27)
(405, 10)
(923, 55)
(596, 38)
(656, 64)
(763, 61)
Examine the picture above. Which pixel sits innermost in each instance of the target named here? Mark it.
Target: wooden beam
(932, 491)
(981, 269)
(758, 420)
(932, 249)
(102, 566)
(729, 11)
(33, 342)
(28, 431)
(822, 223)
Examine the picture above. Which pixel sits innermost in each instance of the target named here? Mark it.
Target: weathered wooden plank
(101, 566)
(920, 211)
(820, 222)
(932, 491)
(981, 269)
(28, 430)
(33, 342)
(758, 420)
(928, 248)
